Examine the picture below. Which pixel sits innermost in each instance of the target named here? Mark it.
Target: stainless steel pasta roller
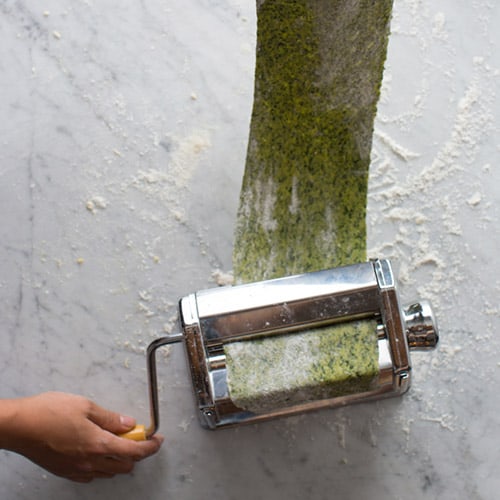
(294, 344)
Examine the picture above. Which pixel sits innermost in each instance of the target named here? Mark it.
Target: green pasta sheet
(319, 67)
(287, 370)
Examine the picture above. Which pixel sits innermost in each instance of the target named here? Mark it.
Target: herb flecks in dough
(303, 200)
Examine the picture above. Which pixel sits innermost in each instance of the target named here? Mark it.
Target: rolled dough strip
(302, 208)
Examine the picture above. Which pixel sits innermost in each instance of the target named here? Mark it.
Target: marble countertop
(123, 138)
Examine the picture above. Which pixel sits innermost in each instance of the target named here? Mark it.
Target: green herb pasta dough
(319, 66)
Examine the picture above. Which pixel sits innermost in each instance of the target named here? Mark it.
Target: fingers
(109, 420)
(111, 445)
(109, 466)
(154, 444)
(125, 449)
(118, 455)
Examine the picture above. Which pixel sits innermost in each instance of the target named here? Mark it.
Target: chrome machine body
(211, 318)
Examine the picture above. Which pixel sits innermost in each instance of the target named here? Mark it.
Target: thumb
(110, 420)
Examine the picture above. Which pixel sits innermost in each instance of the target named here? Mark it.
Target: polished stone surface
(123, 138)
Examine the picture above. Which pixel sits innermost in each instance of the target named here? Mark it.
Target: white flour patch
(96, 203)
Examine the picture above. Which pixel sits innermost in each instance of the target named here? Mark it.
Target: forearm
(10, 410)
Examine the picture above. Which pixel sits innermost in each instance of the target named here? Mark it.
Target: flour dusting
(417, 210)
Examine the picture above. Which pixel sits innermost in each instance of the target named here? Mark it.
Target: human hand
(73, 437)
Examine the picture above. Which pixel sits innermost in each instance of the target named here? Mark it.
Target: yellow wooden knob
(138, 433)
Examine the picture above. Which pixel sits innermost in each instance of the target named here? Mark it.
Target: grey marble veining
(123, 134)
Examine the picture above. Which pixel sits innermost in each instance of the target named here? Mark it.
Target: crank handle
(140, 432)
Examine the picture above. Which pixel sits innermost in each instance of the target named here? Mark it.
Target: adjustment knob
(421, 326)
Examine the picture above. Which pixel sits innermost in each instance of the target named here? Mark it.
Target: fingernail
(127, 421)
